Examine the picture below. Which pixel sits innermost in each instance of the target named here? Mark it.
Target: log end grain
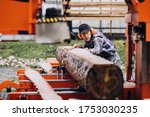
(105, 82)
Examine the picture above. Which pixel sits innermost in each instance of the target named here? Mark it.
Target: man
(98, 44)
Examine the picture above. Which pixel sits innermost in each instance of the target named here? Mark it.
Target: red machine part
(9, 83)
(36, 96)
(138, 37)
(64, 86)
(19, 15)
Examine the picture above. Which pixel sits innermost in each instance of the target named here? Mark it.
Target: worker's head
(85, 32)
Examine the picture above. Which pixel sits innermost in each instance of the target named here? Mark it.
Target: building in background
(18, 17)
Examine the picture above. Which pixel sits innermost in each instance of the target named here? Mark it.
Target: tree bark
(101, 78)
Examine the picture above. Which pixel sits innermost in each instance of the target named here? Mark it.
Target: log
(96, 15)
(47, 67)
(101, 78)
(45, 90)
(95, 4)
(96, 11)
(68, 18)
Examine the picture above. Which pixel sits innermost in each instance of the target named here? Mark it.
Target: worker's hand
(75, 46)
(86, 49)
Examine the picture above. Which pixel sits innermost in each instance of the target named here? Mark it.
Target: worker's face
(86, 35)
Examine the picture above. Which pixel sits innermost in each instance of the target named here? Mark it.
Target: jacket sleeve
(97, 46)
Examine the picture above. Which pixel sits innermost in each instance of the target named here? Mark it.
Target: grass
(31, 49)
(120, 45)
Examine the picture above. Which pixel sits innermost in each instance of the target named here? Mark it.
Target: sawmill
(75, 73)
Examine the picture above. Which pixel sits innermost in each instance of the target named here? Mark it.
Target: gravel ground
(8, 73)
(9, 66)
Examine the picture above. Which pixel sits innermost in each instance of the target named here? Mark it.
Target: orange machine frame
(63, 84)
(18, 16)
(138, 45)
(142, 9)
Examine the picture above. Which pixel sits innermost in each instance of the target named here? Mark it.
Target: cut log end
(105, 83)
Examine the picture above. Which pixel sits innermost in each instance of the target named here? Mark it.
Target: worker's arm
(97, 46)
